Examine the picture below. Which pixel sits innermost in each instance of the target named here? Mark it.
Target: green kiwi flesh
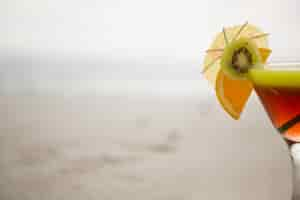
(239, 56)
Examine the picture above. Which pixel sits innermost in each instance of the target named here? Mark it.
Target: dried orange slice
(211, 64)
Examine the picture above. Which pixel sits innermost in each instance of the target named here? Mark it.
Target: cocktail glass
(278, 88)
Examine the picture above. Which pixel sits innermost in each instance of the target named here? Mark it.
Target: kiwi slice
(239, 56)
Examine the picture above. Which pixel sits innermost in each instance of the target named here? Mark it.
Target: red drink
(279, 92)
(283, 108)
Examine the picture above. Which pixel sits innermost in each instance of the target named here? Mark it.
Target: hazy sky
(141, 29)
(164, 39)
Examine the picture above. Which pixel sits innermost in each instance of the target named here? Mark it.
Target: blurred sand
(120, 147)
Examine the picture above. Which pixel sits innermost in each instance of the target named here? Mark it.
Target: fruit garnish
(233, 53)
(239, 56)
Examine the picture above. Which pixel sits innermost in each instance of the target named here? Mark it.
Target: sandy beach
(137, 147)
